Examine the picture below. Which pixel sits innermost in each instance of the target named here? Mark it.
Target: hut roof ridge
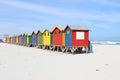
(78, 27)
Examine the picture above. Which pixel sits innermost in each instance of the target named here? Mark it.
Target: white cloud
(55, 11)
(112, 3)
(33, 7)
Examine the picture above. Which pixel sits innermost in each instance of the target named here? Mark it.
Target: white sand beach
(24, 63)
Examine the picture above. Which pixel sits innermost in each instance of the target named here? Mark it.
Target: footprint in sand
(97, 69)
(106, 64)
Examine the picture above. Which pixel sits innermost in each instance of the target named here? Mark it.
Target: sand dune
(24, 63)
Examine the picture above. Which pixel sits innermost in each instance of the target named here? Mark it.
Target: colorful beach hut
(47, 38)
(24, 39)
(27, 39)
(10, 39)
(21, 40)
(58, 37)
(76, 37)
(30, 40)
(17, 39)
(13, 39)
(6, 40)
(39, 38)
(33, 39)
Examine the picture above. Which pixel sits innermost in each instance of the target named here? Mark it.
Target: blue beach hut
(33, 39)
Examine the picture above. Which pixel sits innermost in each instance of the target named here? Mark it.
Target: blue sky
(102, 17)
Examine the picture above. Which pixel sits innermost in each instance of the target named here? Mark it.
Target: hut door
(68, 40)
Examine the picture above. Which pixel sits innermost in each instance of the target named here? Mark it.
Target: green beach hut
(24, 39)
(39, 38)
(30, 40)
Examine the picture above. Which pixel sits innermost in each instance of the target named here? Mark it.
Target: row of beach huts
(68, 39)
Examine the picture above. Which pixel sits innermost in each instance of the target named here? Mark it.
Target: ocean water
(105, 42)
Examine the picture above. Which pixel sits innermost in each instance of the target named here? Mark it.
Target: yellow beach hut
(46, 38)
(27, 41)
(17, 39)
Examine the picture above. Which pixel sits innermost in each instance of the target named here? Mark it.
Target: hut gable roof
(46, 30)
(67, 27)
(72, 27)
(24, 34)
(38, 32)
(55, 29)
(33, 33)
(60, 28)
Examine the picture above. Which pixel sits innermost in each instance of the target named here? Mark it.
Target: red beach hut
(58, 37)
(76, 37)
